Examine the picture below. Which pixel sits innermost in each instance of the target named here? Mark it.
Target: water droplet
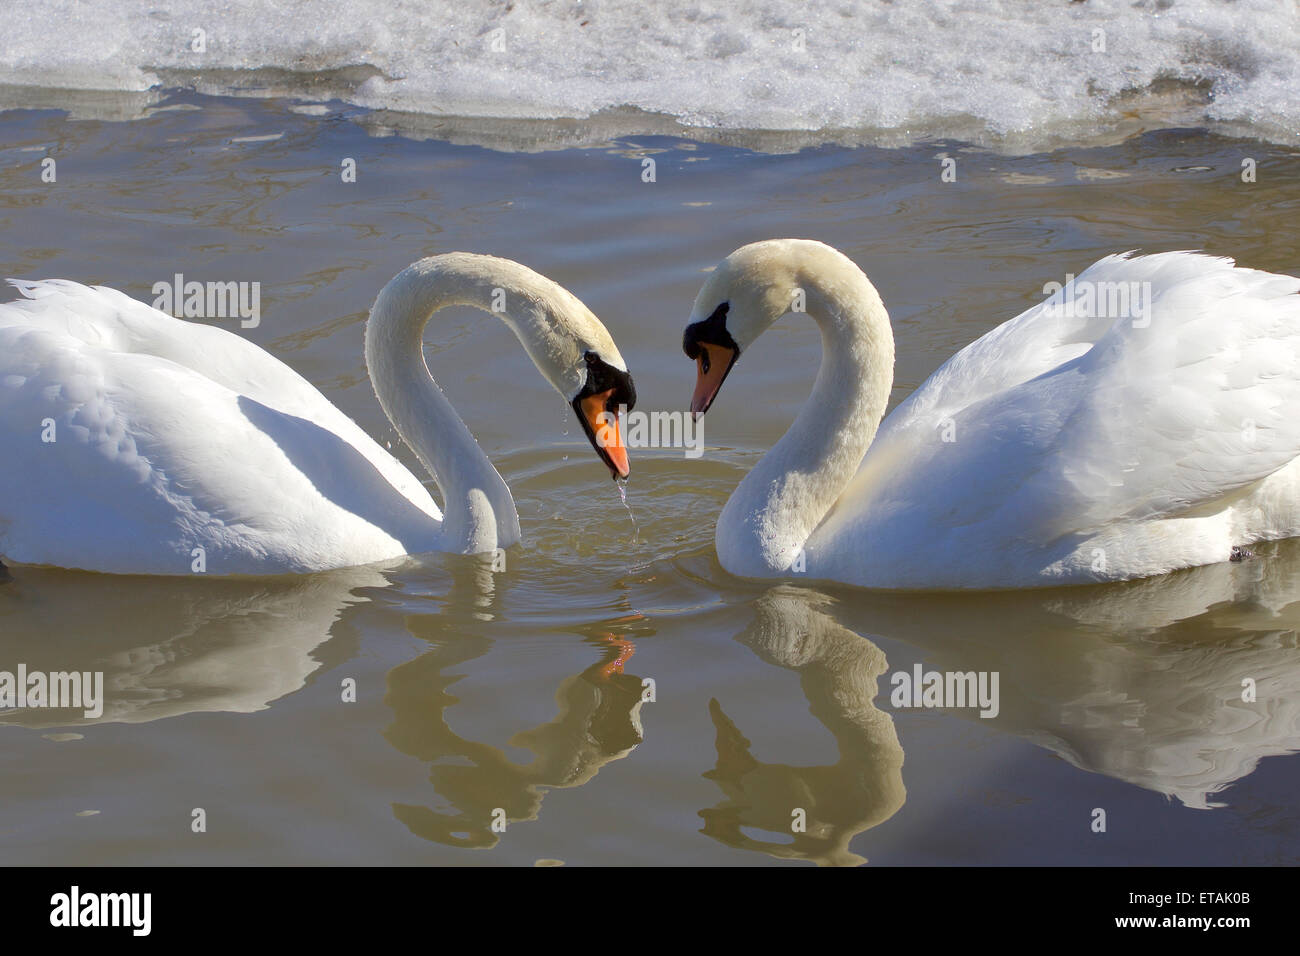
(622, 493)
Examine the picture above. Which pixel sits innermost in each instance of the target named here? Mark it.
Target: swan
(1070, 444)
(136, 443)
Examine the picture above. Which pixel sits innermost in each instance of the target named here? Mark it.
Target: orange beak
(602, 427)
(714, 362)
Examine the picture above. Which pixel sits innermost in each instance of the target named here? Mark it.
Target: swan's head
(605, 387)
(745, 294)
(570, 347)
(575, 353)
(567, 343)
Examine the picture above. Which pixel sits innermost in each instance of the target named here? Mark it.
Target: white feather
(1058, 447)
(171, 436)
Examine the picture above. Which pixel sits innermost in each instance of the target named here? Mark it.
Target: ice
(969, 68)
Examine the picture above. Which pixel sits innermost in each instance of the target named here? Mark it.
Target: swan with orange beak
(202, 443)
(607, 389)
(715, 352)
(742, 297)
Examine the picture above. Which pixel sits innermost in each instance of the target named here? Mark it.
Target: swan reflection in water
(193, 645)
(179, 646)
(838, 671)
(1141, 683)
(1147, 683)
(597, 721)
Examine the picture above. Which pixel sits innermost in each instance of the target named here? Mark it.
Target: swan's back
(1062, 424)
(168, 433)
(98, 321)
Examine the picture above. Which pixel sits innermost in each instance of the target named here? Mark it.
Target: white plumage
(170, 436)
(1066, 445)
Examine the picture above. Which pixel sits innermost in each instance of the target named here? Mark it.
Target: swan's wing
(1047, 335)
(111, 321)
(1053, 423)
(149, 449)
(108, 320)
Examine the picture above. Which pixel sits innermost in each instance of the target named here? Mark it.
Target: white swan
(1070, 444)
(129, 439)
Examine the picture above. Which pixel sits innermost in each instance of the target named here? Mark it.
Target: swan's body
(1064, 446)
(130, 440)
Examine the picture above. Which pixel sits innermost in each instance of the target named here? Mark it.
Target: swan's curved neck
(778, 505)
(479, 512)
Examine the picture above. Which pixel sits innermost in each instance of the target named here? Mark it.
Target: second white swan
(1070, 444)
(134, 442)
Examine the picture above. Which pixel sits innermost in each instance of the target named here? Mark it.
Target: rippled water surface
(521, 694)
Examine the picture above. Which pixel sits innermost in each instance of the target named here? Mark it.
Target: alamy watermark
(1089, 299)
(643, 429)
(946, 689)
(210, 300)
(53, 690)
(75, 908)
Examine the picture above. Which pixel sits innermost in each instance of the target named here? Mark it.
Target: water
(528, 689)
(622, 496)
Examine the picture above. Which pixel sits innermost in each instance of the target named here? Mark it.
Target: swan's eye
(710, 331)
(603, 377)
(606, 391)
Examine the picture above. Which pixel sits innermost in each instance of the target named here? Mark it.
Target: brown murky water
(523, 695)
